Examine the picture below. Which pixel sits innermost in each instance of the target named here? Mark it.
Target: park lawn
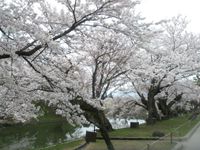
(66, 146)
(165, 126)
(130, 145)
(119, 145)
(179, 126)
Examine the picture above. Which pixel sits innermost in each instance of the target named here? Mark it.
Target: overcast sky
(155, 10)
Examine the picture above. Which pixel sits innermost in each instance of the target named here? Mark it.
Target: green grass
(165, 126)
(120, 145)
(179, 126)
(65, 146)
(130, 145)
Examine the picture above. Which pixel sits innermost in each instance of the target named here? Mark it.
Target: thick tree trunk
(151, 108)
(106, 138)
(163, 107)
(98, 118)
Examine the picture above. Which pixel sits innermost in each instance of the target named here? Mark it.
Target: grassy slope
(130, 145)
(165, 126)
(65, 146)
(180, 126)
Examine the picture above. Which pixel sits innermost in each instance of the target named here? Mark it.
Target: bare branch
(44, 76)
(4, 33)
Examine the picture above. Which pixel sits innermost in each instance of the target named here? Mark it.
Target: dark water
(33, 136)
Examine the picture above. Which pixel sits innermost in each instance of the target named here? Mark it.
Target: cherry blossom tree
(170, 56)
(107, 57)
(123, 108)
(38, 43)
(69, 57)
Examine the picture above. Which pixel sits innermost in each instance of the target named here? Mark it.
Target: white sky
(155, 10)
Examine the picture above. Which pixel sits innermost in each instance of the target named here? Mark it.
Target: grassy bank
(166, 126)
(65, 146)
(179, 126)
(130, 145)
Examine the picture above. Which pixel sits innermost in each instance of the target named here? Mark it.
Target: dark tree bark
(149, 103)
(106, 138)
(97, 117)
(151, 106)
(165, 108)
